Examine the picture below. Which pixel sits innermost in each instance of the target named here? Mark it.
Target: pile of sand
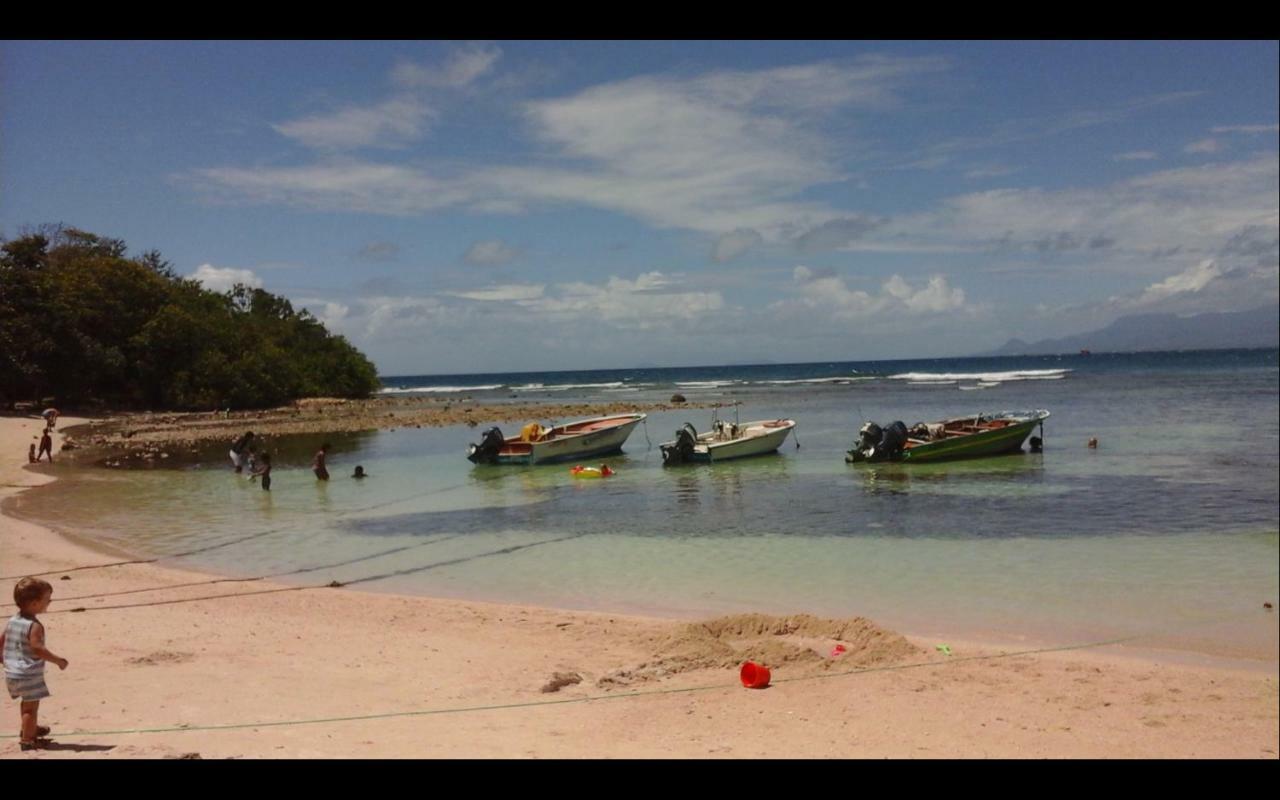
(801, 640)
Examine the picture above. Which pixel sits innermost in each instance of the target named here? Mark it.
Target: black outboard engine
(869, 437)
(681, 450)
(487, 451)
(893, 440)
(879, 444)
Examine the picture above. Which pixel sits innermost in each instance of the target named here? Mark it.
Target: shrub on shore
(82, 322)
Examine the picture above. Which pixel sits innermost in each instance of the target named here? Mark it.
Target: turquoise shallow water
(1169, 528)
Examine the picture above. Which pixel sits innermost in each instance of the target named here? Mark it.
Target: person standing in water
(318, 465)
(263, 470)
(46, 446)
(238, 450)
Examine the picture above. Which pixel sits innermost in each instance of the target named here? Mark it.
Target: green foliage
(80, 321)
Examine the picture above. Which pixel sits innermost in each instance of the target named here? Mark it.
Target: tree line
(83, 323)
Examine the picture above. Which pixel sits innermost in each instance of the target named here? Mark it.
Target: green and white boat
(960, 437)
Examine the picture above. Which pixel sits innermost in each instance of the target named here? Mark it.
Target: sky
(485, 206)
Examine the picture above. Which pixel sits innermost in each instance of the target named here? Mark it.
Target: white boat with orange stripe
(583, 439)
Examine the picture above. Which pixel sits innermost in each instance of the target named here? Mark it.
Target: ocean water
(1170, 529)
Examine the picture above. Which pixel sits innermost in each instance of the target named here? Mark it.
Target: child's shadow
(79, 748)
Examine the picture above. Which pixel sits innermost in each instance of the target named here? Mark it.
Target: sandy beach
(281, 672)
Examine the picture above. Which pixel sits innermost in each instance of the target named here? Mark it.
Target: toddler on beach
(22, 644)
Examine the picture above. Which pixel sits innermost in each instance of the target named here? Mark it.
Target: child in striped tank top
(22, 644)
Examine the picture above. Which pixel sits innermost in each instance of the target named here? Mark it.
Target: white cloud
(935, 297)
(333, 313)
(1013, 131)
(222, 279)
(1135, 155)
(1245, 129)
(1205, 286)
(829, 294)
(401, 317)
(528, 313)
(645, 302)
(330, 314)
(492, 252)
(1192, 279)
(672, 155)
(506, 206)
(1196, 209)
(725, 151)
(463, 67)
(1209, 145)
(734, 244)
(993, 171)
(345, 186)
(379, 251)
(503, 293)
(836, 234)
(392, 123)
(399, 120)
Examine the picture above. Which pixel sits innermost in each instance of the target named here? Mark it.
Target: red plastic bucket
(754, 676)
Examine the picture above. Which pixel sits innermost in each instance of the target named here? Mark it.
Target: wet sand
(279, 672)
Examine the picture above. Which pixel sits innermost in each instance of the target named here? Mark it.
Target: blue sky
(491, 206)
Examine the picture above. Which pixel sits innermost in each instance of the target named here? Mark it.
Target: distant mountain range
(1259, 327)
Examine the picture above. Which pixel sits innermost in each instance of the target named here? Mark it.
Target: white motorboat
(538, 445)
(726, 440)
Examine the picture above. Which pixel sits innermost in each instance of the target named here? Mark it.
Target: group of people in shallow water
(243, 454)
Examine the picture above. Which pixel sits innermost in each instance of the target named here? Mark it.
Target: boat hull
(570, 447)
(1000, 441)
(978, 445)
(709, 451)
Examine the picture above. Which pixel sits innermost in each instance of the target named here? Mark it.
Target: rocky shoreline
(134, 438)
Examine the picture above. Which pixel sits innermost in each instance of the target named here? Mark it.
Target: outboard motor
(880, 444)
(487, 451)
(893, 439)
(681, 450)
(869, 437)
